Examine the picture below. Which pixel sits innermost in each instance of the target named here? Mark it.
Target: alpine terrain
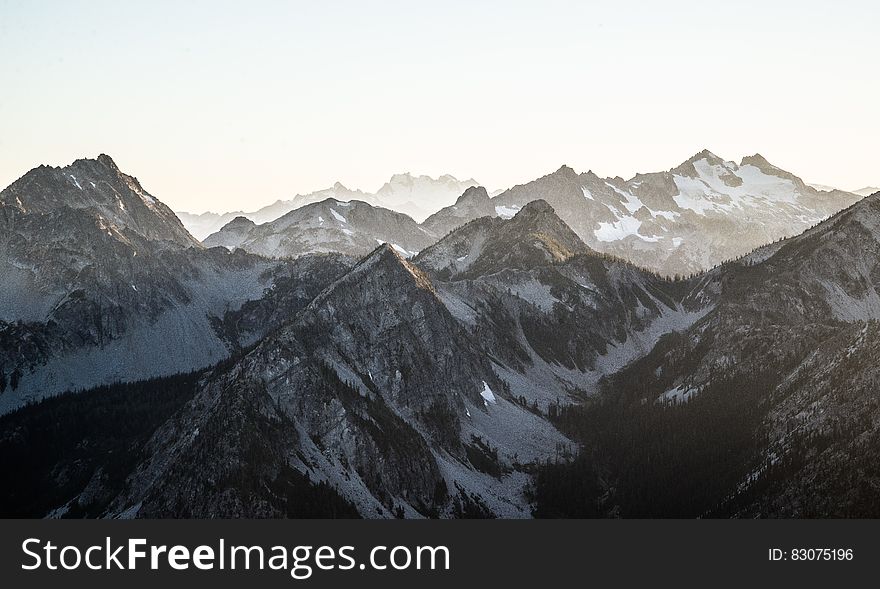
(416, 196)
(101, 282)
(507, 357)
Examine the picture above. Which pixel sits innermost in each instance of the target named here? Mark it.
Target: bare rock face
(102, 283)
(105, 193)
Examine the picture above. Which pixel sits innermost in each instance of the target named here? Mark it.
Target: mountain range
(352, 227)
(416, 196)
(695, 216)
(344, 360)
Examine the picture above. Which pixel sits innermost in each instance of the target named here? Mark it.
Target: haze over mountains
(352, 227)
(416, 196)
(493, 360)
(866, 191)
(685, 220)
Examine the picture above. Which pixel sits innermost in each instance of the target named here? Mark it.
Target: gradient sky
(221, 105)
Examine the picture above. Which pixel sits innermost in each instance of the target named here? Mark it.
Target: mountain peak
(472, 194)
(97, 189)
(240, 221)
(703, 154)
(536, 207)
(760, 162)
(686, 168)
(386, 265)
(757, 160)
(383, 252)
(108, 161)
(565, 171)
(535, 236)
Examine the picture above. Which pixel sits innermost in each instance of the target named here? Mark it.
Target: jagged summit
(98, 189)
(705, 154)
(757, 160)
(108, 161)
(565, 171)
(686, 168)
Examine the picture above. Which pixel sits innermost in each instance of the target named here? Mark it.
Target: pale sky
(232, 105)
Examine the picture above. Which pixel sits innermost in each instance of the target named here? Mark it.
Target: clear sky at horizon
(223, 106)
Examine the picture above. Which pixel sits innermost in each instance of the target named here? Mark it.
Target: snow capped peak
(686, 168)
(705, 154)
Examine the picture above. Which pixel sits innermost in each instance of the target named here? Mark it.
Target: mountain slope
(102, 283)
(375, 389)
(555, 315)
(414, 388)
(783, 366)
